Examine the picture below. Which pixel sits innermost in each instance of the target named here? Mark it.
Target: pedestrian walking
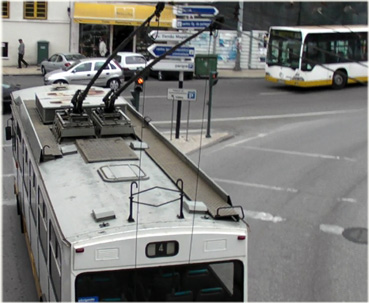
(21, 50)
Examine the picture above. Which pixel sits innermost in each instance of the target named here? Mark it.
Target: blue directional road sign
(190, 23)
(181, 52)
(203, 11)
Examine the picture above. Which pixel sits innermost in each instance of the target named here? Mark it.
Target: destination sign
(191, 23)
(181, 52)
(205, 11)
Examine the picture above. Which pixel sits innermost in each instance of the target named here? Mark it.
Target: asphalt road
(296, 160)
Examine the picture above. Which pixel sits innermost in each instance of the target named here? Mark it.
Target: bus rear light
(241, 237)
(80, 250)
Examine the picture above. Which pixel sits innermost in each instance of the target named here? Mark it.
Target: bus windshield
(284, 48)
(221, 281)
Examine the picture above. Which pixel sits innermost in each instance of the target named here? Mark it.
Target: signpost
(168, 36)
(202, 11)
(182, 94)
(174, 65)
(190, 18)
(191, 23)
(181, 52)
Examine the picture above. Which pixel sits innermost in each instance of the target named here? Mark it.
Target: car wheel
(43, 70)
(114, 84)
(339, 79)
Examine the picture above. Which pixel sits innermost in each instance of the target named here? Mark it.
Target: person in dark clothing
(21, 49)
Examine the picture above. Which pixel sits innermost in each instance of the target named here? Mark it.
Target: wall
(56, 30)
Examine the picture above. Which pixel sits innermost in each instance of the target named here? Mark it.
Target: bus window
(283, 49)
(221, 281)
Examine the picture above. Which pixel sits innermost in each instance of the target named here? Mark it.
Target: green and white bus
(310, 56)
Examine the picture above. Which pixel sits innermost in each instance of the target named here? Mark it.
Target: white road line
(263, 216)
(8, 175)
(272, 93)
(295, 153)
(331, 229)
(8, 202)
(215, 150)
(268, 117)
(349, 200)
(263, 186)
(247, 140)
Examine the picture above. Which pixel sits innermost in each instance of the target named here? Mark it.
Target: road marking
(349, 200)
(263, 186)
(215, 150)
(268, 117)
(8, 175)
(7, 202)
(295, 153)
(263, 216)
(247, 139)
(331, 229)
(272, 93)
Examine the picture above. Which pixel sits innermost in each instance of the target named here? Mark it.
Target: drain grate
(356, 234)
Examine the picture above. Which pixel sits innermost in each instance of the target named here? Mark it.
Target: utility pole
(239, 15)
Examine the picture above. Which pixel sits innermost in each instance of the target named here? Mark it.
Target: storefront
(113, 22)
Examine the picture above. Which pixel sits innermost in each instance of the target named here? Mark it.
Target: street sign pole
(179, 105)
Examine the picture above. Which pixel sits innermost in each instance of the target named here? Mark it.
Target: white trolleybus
(309, 56)
(112, 211)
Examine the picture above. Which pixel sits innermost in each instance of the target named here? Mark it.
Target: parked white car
(130, 63)
(82, 71)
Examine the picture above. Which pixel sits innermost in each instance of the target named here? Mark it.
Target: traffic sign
(182, 94)
(174, 65)
(181, 52)
(168, 36)
(203, 11)
(191, 23)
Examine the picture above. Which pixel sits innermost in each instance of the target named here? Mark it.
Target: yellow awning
(120, 14)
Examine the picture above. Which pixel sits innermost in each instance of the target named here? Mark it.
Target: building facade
(34, 22)
(77, 26)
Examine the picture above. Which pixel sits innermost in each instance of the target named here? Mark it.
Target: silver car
(59, 61)
(82, 71)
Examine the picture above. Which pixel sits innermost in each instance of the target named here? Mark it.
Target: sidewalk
(222, 73)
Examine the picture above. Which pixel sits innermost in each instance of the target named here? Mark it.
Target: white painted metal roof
(88, 203)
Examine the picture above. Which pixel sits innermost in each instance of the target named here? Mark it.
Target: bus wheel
(339, 79)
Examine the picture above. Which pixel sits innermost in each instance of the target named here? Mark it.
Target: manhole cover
(356, 234)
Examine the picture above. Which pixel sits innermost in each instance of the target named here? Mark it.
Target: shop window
(5, 47)
(35, 10)
(90, 35)
(6, 12)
